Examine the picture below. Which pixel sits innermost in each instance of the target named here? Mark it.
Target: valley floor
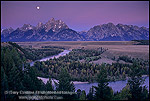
(115, 48)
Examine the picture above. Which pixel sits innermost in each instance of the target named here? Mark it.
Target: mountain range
(57, 30)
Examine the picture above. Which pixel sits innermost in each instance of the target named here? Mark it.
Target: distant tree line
(142, 42)
(85, 71)
(86, 54)
(131, 60)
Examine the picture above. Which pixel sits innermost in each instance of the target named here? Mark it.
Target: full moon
(37, 7)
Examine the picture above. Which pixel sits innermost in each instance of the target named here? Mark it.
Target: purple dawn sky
(78, 15)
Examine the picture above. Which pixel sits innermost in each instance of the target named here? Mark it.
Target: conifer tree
(90, 95)
(78, 93)
(49, 86)
(65, 83)
(83, 95)
(103, 91)
(4, 84)
(135, 82)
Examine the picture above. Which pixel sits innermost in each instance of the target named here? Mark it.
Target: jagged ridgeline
(57, 30)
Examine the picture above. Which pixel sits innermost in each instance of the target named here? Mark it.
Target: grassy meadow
(115, 48)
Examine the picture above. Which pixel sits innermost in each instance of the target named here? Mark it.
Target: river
(51, 57)
(116, 86)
